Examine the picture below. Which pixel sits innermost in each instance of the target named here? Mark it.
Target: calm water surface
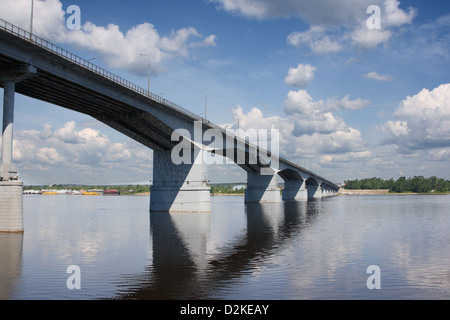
(285, 251)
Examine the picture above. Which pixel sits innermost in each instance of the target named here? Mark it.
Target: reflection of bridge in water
(184, 268)
(10, 263)
(36, 68)
(193, 257)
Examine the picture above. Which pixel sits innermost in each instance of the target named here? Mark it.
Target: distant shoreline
(212, 194)
(227, 194)
(347, 192)
(366, 192)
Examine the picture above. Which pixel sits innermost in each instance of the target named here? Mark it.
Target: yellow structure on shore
(90, 193)
(49, 193)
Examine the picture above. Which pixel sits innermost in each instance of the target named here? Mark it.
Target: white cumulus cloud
(316, 38)
(365, 38)
(301, 102)
(309, 130)
(116, 48)
(375, 76)
(348, 29)
(315, 117)
(79, 153)
(392, 16)
(318, 12)
(423, 121)
(300, 76)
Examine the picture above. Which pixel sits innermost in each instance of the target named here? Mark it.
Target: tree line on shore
(417, 184)
(226, 189)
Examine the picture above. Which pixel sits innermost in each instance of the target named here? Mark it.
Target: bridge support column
(11, 207)
(330, 193)
(314, 191)
(8, 170)
(179, 187)
(295, 190)
(11, 190)
(262, 188)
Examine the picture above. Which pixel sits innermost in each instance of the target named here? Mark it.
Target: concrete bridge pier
(8, 171)
(11, 189)
(295, 190)
(262, 188)
(331, 192)
(314, 191)
(327, 192)
(179, 187)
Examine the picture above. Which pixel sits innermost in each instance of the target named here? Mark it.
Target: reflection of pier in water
(10, 263)
(182, 267)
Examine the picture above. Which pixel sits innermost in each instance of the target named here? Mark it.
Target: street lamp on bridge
(31, 19)
(206, 102)
(148, 71)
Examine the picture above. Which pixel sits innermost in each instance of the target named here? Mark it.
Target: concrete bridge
(36, 68)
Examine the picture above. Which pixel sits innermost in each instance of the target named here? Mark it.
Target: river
(285, 251)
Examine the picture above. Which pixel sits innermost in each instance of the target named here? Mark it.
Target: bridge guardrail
(47, 45)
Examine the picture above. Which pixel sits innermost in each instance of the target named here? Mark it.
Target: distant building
(111, 193)
(32, 192)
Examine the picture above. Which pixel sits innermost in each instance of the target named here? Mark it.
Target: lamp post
(31, 19)
(148, 85)
(206, 103)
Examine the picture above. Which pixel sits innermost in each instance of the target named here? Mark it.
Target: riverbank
(227, 194)
(347, 192)
(365, 192)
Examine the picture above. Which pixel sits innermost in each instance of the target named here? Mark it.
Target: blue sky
(349, 101)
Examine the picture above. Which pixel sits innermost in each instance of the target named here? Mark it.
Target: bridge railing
(42, 43)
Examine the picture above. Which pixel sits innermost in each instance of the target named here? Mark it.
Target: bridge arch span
(290, 175)
(314, 187)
